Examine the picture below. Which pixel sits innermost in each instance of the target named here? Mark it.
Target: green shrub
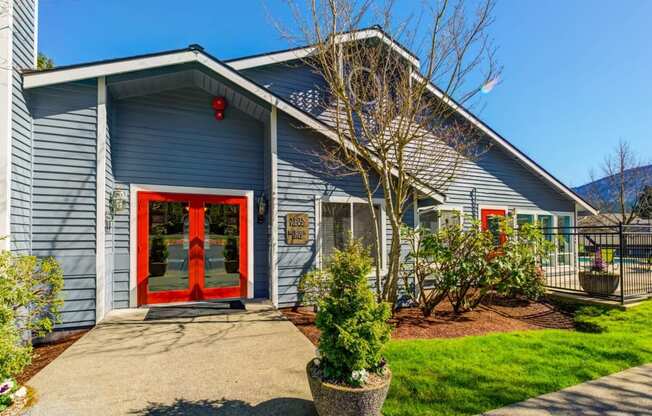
(518, 264)
(464, 264)
(29, 301)
(353, 325)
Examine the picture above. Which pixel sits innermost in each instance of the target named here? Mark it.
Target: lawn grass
(470, 375)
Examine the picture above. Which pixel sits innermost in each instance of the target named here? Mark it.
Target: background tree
(393, 128)
(44, 62)
(644, 203)
(617, 188)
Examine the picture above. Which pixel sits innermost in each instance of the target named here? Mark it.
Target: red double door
(191, 247)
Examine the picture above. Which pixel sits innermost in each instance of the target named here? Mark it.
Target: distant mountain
(640, 177)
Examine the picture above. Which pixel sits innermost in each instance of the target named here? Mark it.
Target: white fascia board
(374, 33)
(507, 146)
(294, 54)
(41, 79)
(273, 58)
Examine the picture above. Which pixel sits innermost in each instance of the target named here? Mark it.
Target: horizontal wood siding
(21, 127)
(499, 179)
(172, 138)
(65, 136)
(302, 179)
(121, 253)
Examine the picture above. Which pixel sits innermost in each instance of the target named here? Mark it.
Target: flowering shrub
(598, 265)
(314, 285)
(353, 325)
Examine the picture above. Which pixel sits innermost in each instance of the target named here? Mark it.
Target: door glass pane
(335, 227)
(221, 245)
(363, 227)
(168, 246)
(493, 226)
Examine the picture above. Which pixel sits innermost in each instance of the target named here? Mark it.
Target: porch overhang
(192, 54)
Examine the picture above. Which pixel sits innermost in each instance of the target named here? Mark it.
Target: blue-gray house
(176, 176)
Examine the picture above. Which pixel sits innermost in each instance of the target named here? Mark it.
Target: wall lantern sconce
(219, 104)
(261, 208)
(117, 203)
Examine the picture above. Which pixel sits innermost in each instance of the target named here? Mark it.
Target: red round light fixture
(219, 104)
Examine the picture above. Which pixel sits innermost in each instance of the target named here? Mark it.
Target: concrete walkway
(181, 361)
(625, 393)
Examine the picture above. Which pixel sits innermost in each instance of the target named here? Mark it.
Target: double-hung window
(436, 218)
(343, 218)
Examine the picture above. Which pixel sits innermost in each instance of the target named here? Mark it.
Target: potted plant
(231, 261)
(158, 256)
(349, 375)
(598, 280)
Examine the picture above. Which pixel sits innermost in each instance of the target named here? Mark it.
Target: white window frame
(319, 201)
(438, 209)
(555, 224)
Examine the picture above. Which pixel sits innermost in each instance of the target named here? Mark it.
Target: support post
(621, 236)
(100, 203)
(273, 207)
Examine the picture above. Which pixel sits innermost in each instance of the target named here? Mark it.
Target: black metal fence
(611, 262)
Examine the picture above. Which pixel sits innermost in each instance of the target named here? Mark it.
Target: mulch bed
(46, 353)
(495, 315)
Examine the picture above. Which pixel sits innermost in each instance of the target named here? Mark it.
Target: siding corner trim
(6, 109)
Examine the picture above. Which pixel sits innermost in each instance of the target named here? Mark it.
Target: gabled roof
(377, 32)
(285, 55)
(229, 69)
(191, 54)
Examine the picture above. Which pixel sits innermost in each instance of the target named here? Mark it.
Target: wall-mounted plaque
(296, 228)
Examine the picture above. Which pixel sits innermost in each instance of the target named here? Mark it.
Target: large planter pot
(157, 269)
(232, 266)
(599, 283)
(334, 400)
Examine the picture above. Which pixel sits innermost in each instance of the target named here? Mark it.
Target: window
(564, 246)
(340, 220)
(556, 229)
(522, 219)
(436, 219)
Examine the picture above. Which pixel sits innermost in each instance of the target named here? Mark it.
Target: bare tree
(616, 190)
(393, 128)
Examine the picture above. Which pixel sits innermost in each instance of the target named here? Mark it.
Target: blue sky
(576, 75)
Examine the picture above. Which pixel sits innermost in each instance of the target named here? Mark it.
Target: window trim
(439, 208)
(319, 201)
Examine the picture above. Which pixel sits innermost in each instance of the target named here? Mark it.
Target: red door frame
(196, 289)
(485, 213)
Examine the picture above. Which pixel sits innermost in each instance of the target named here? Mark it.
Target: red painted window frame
(196, 290)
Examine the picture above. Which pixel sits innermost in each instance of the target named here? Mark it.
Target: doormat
(192, 310)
